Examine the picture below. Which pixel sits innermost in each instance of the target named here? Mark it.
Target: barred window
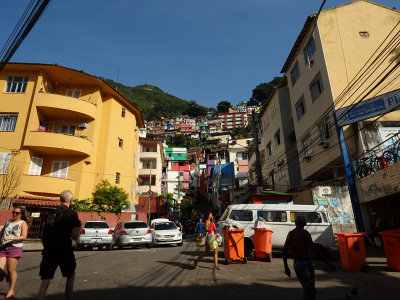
(16, 84)
(8, 121)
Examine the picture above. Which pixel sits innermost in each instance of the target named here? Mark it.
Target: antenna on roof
(116, 81)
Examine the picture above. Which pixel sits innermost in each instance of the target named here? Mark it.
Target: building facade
(151, 160)
(65, 129)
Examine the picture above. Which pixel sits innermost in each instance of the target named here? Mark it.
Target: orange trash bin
(391, 242)
(352, 250)
(263, 243)
(234, 246)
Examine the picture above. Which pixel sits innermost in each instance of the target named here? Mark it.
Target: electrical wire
(29, 18)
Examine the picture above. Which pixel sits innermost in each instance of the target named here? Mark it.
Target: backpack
(50, 225)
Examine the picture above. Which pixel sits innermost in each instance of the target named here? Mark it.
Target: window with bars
(281, 172)
(123, 112)
(120, 143)
(35, 167)
(324, 130)
(16, 84)
(60, 169)
(8, 122)
(306, 146)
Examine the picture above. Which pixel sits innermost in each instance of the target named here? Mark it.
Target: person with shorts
(300, 241)
(12, 235)
(57, 246)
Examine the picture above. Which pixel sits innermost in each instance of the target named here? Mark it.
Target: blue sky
(205, 50)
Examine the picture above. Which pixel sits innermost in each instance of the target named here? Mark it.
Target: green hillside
(155, 103)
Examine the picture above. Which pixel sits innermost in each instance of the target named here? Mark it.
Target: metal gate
(39, 216)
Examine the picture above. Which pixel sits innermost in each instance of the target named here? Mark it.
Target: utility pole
(218, 183)
(259, 175)
(150, 193)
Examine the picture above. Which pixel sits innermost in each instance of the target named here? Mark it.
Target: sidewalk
(33, 245)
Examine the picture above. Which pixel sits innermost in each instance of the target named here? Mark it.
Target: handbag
(208, 238)
(201, 240)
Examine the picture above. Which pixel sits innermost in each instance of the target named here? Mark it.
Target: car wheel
(109, 247)
(180, 244)
(148, 246)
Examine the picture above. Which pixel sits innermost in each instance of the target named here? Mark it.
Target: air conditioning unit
(83, 125)
(325, 145)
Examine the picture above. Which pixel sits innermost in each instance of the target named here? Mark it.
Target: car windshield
(165, 226)
(96, 225)
(134, 225)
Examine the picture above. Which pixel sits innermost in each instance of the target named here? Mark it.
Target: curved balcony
(58, 144)
(54, 105)
(46, 184)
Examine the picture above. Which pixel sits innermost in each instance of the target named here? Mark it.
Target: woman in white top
(12, 236)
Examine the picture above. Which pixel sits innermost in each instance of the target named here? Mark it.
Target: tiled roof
(36, 201)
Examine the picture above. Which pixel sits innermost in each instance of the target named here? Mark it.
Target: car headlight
(159, 235)
(178, 234)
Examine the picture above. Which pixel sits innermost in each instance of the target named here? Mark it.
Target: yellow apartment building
(327, 69)
(64, 129)
(279, 162)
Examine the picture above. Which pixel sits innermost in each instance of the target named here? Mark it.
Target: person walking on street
(12, 235)
(200, 228)
(300, 241)
(58, 231)
(179, 225)
(210, 230)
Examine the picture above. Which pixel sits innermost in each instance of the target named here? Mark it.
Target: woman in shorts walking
(12, 236)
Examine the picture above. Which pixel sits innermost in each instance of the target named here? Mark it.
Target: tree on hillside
(263, 90)
(223, 106)
(195, 110)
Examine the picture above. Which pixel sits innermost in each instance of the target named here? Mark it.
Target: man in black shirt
(57, 246)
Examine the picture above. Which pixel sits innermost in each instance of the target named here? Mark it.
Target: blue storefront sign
(369, 108)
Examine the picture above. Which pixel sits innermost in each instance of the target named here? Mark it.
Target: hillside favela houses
(65, 129)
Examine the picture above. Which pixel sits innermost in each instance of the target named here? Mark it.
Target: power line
(29, 18)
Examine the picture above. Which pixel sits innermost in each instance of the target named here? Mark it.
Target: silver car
(94, 234)
(132, 233)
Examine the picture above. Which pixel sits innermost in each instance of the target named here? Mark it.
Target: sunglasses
(16, 212)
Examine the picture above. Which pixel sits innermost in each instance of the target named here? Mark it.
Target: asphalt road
(167, 273)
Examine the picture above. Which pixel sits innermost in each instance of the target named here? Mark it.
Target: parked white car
(165, 232)
(132, 233)
(94, 234)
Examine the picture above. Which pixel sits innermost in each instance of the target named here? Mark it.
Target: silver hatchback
(94, 234)
(132, 233)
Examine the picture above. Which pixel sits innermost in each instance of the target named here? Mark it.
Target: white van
(280, 218)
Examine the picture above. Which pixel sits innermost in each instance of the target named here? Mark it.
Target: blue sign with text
(367, 109)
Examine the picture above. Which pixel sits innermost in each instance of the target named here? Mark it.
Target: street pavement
(166, 273)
